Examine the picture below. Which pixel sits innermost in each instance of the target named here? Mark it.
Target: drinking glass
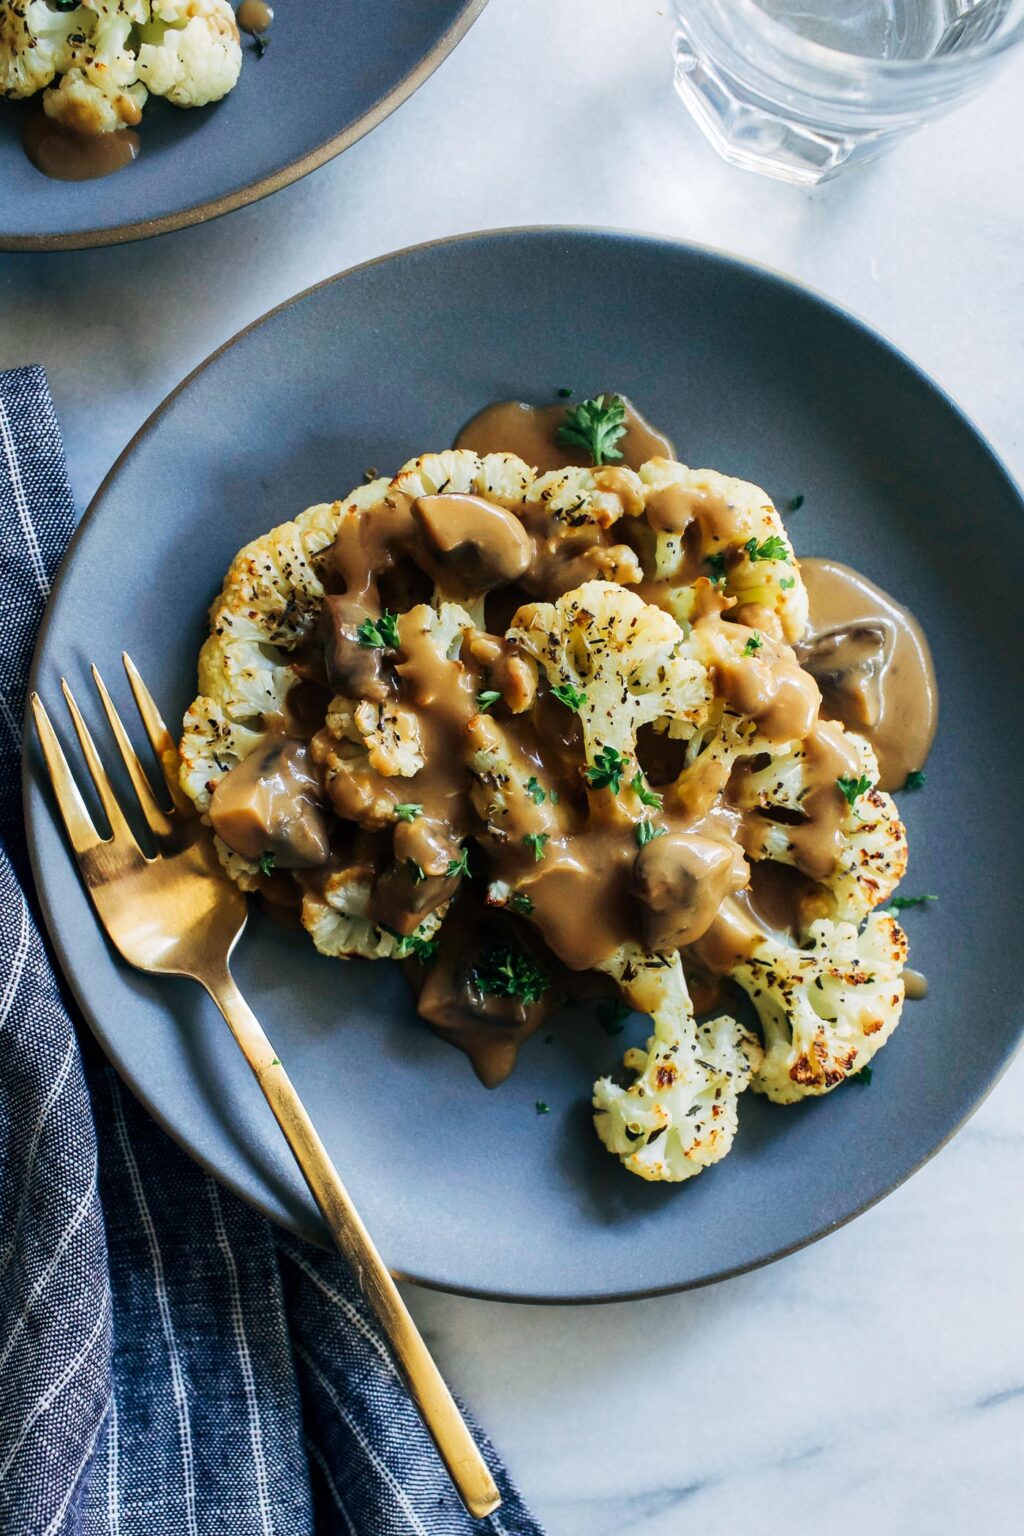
(799, 89)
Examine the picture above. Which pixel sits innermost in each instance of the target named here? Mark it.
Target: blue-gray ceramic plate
(469, 1189)
(333, 70)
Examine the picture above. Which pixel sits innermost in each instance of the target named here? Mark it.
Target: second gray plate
(462, 1188)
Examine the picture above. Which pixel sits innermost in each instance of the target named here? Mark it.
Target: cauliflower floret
(741, 532)
(872, 852)
(679, 1114)
(338, 924)
(576, 496)
(629, 660)
(87, 108)
(211, 745)
(34, 44)
(459, 470)
(825, 1010)
(190, 51)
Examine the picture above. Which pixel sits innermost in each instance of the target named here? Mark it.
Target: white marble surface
(875, 1382)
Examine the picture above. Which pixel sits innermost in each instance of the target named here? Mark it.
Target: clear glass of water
(799, 89)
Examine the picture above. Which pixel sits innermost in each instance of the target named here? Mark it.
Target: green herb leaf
(417, 871)
(794, 503)
(785, 582)
(644, 795)
(901, 903)
(753, 645)
(519, 902)
(606, 771)
(542, 1108)
(380, 633)
(535, 790)
(535, 841)
(414, 944)
(565, 393)
(773, 548)
(611, 1016)
(408, 812)
(509, 973)
(595, 426)
(488, 697)
(266, 862)
(276, 1061)
(259, 42)
(716, 565)
(646, 832)
(863, 1077)
(915, 779)
(460, 866)
(852, 789)
(566, 694)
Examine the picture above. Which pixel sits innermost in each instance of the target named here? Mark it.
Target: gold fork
(178, 914)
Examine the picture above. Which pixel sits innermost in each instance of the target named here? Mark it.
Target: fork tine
(156, 818)
(121, 831)
(160, 738)
(77, 821)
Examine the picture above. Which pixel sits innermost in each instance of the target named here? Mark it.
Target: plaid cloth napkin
(170, 1363)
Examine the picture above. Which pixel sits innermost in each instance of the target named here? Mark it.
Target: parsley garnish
(785, 582)
(460, 866)
(611, 1016)
(915, 779)
(510, 973)
(266, 863)
(773, 548)
(535, 841)
(408, 812)
(595, 425)
(644, 795)
(408, 944)
(566, 694)
(259, 42)
(646, 832)
(417, 871)
(564, 393)
(852, 789)
(900, 903)
(535, 790)
(606, 771)
(863, 1077)
(276, 1061)
(716, 565)
(381, 633)
(520, 903)
(488, 697)
(794, 503)
(542, 1108)
(753, 645)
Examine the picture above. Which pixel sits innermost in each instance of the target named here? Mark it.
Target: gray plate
(471, 1190)
(333, 70)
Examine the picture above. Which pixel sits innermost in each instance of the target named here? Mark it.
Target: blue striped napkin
(170, 1363)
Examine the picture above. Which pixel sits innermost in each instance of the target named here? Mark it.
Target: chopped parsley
(716, 565)
(408, 812)
(381, 633)
(488, 697)
(266, 862)
(753, 645)
(611, 1017)
(595, 426)
(414, 944)
(276, 1061)
(520, 903)
(915, 779)
(606, 771)
(259, 42)
(509, 973)
(794, 503)
(900, 903)
(563, 393)
(786, 582)
(646, 832)
(460, 866)
(535, 842)
(535, 790)
(644, 795)
(542, 1108)
(863, 1077)
(773, 548)
(417, 871)
(852, 789)
(566, 694)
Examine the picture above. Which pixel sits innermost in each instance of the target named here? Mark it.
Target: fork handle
(427, 1387)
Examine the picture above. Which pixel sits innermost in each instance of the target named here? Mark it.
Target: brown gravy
(254, 17)
(531, 432)
(66, 156)
(873, 665)
(915, 984)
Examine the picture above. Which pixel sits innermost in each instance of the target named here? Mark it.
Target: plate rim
(255, 191)
(30, 777)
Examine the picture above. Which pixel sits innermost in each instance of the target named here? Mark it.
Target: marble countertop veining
(873, 1382)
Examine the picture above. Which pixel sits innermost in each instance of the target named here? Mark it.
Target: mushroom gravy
(452, 767)
(66, 156)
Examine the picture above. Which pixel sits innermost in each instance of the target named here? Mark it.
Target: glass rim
(855, 66)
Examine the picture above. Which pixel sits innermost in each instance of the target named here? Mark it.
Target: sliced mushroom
(270, 804)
